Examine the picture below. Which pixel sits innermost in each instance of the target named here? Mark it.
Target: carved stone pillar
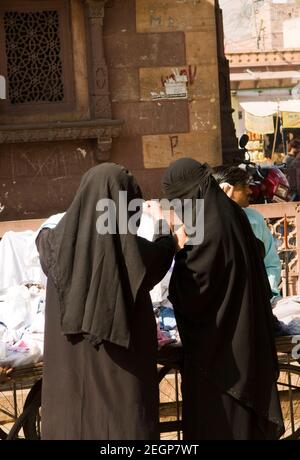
(99, 92)
(229, 141)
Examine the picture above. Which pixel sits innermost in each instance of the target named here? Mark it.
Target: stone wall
(146, 43)
(130, 76)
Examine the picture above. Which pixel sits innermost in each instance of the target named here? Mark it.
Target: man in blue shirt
(235, 183)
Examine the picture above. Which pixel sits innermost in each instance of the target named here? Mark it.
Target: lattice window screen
(33, 51)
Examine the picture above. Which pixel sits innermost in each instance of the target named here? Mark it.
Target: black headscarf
(221, 298)
(97, 276)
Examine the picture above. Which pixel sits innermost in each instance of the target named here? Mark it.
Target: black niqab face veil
(97, 275)
(221, 299)
(186, 178)
(185, 183)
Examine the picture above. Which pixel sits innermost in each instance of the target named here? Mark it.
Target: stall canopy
(259, 114)
(259, 124)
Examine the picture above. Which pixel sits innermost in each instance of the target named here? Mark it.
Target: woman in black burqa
(100, 374)
(221, 301)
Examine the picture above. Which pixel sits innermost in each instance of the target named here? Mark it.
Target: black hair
(231, 174)
(294, 144)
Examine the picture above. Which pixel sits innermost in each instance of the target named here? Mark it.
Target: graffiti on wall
(176, 84)
(174, 143)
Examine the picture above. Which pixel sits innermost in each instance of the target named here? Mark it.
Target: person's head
(186, 183)
(184, 178)
(108, 200)
(235, 183)
(294, 147)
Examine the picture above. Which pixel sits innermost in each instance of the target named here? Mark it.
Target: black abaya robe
(110, 392)
(221, 300)
(100, 377)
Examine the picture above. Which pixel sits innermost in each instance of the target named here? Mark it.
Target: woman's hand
(181, 237)
(154, 209)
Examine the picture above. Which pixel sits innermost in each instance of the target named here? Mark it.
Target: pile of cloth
(287, 312)
(22, 300)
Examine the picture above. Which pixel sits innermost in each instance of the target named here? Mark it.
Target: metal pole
(282, 135)
(275, 134)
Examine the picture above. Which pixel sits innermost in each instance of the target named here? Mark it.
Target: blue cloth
(167, 319)
(271, 260)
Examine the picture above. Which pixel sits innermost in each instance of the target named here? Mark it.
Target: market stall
(270, 126)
